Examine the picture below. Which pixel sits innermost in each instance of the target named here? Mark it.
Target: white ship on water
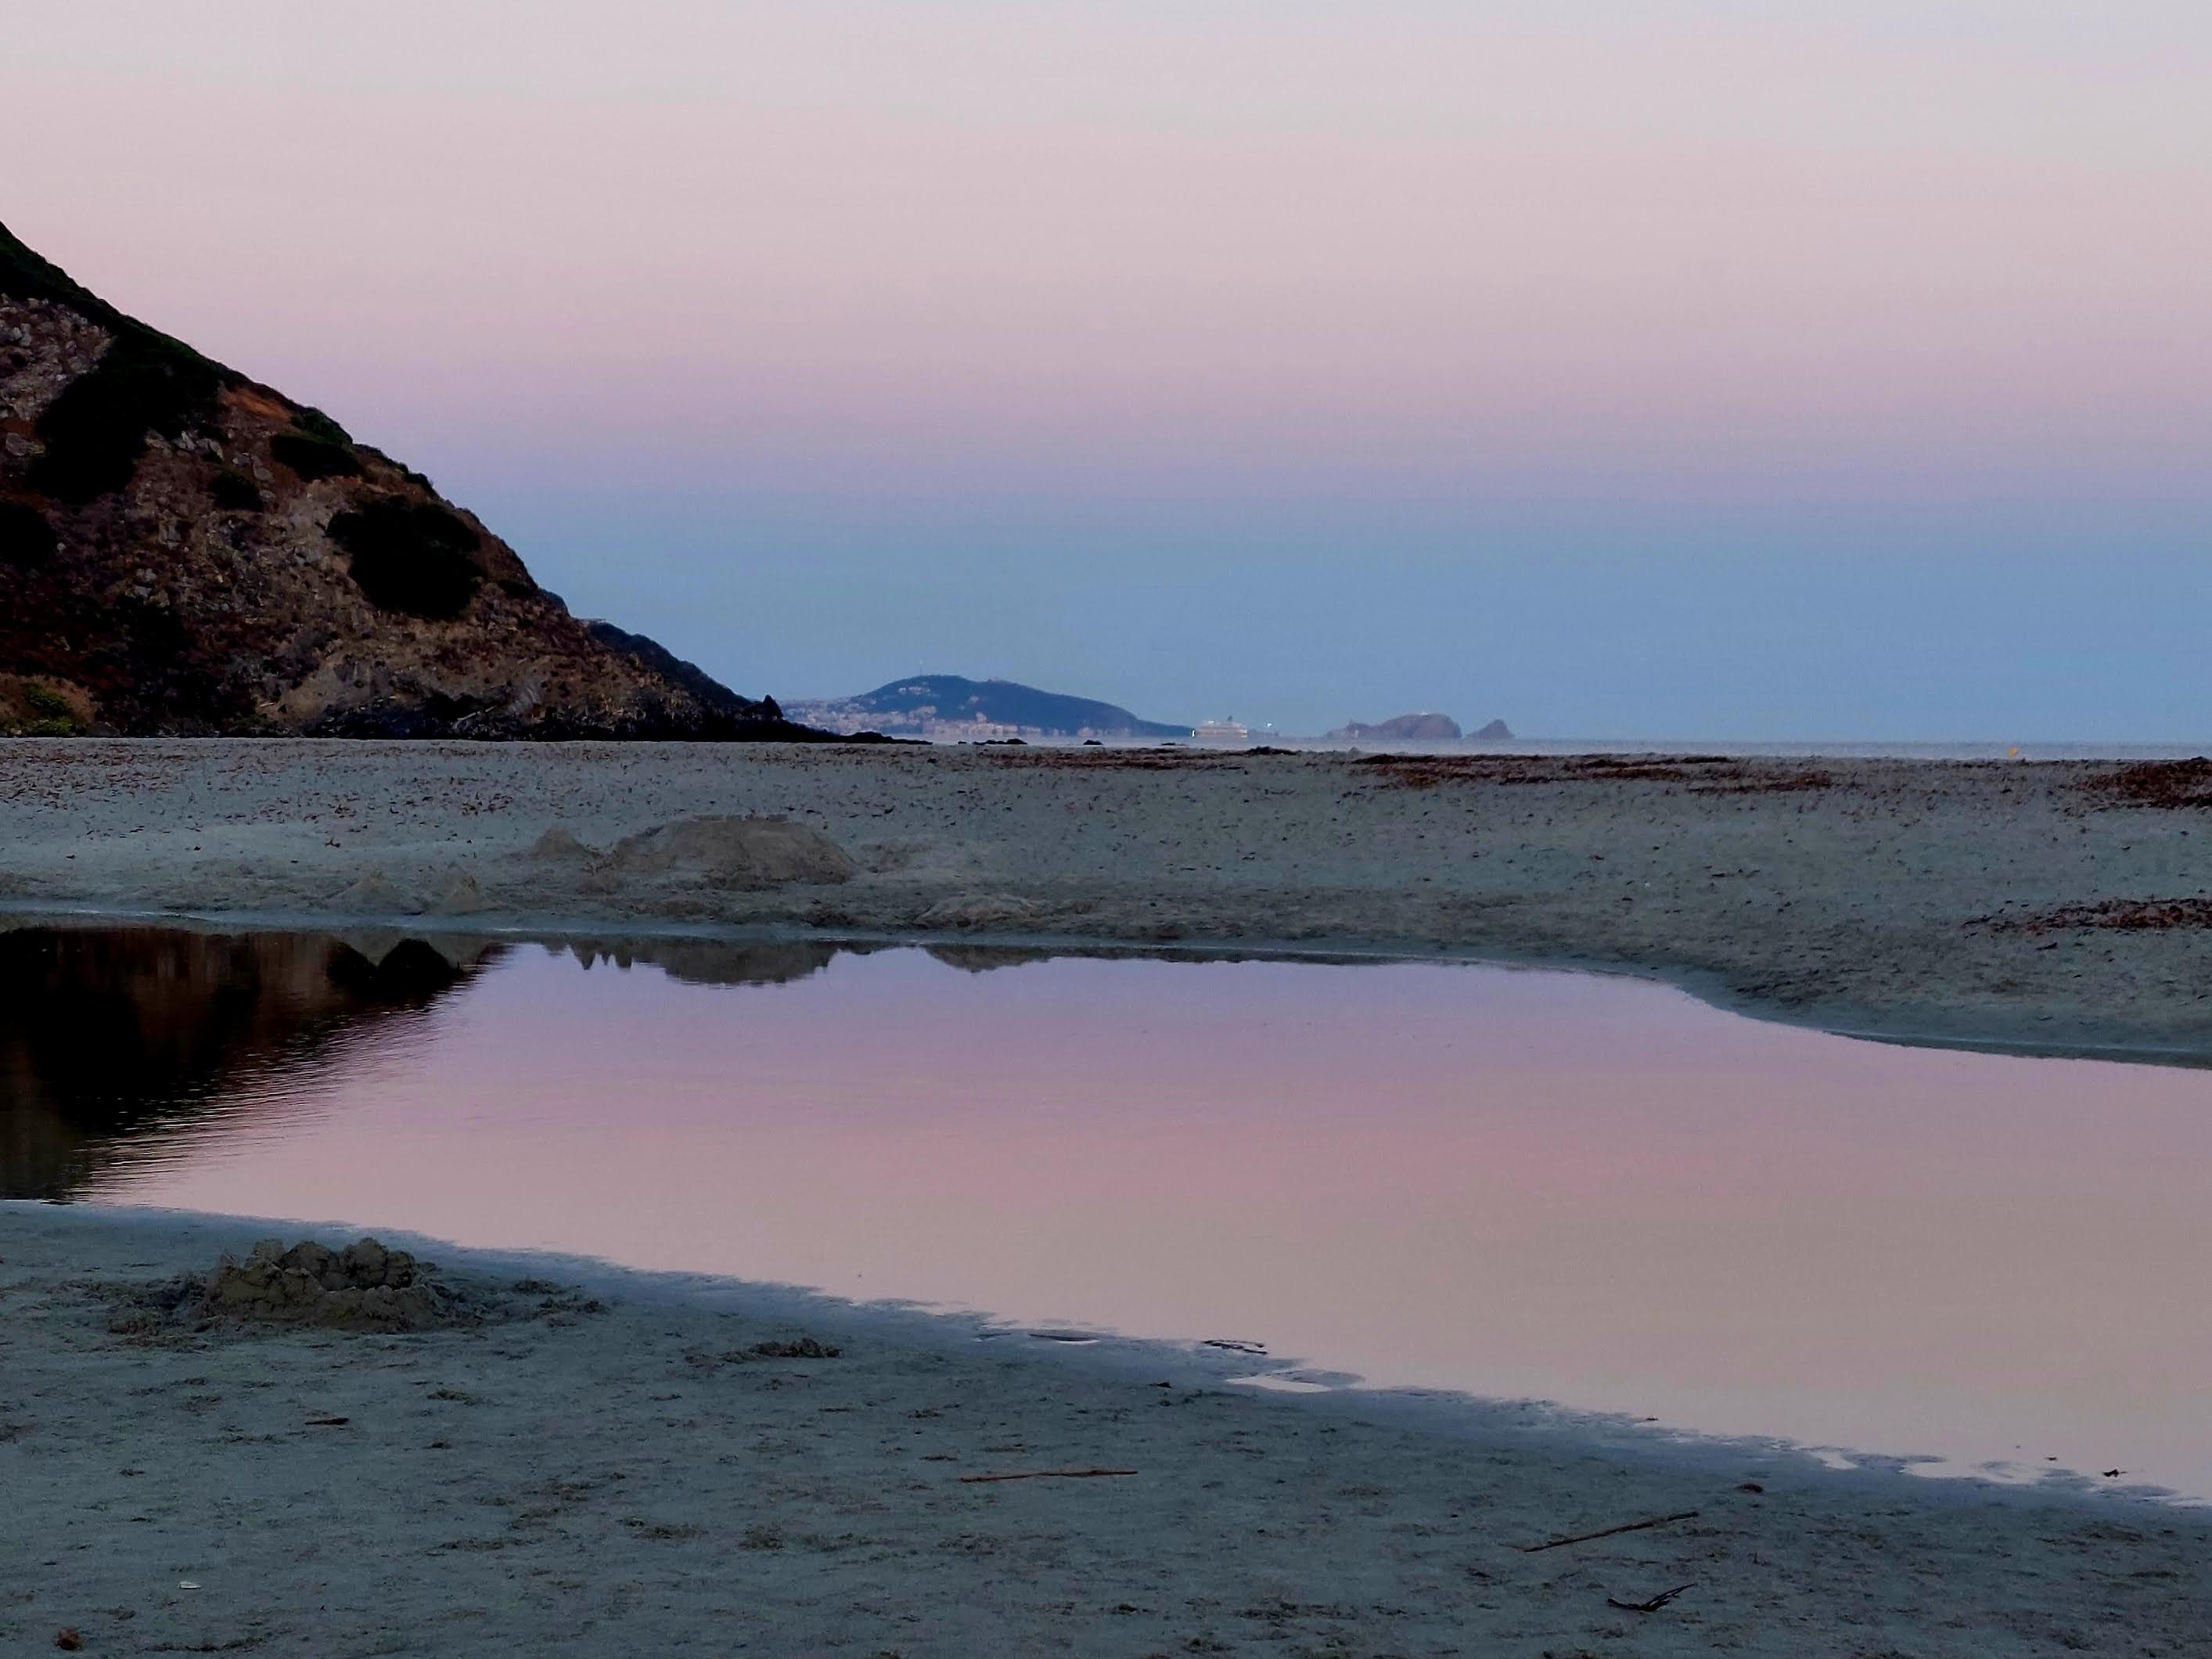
(1226, 731)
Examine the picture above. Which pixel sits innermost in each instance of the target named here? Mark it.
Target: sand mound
(729, 852)
(981, 910)
(372, 895)
(465, 898)
(362, 1288)
(558, 846)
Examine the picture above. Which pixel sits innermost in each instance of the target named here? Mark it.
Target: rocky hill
(1420, 728)
(1427, 728)
(947, 705)
(183, 551)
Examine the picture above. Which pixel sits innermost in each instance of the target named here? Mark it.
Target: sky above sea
(1714, 369)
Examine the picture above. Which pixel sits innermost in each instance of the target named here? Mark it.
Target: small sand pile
(373, 894)
(559, 846)
(362, 1288)
(464, 896)
(729, 852)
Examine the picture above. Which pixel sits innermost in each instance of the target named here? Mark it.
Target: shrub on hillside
(314, 458)
(26, 537)
(48, 714)
(95, 430)
(61, 725)
(411, 556)
(234, 492)
(316, 424)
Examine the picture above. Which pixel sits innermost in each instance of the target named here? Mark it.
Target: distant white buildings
(846, 718)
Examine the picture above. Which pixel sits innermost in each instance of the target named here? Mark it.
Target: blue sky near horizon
(1641, 632)
(1703, 368)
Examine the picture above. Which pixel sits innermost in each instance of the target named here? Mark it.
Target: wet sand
(634, 1478)
(2062, 907)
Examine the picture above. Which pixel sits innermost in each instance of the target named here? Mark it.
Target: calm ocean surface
(2012, 749)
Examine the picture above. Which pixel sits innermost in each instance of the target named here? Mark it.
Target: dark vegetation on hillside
(314, 458)
(234, 492)
(316, 424)
(26, 538)
(413, 557)
(95, 432)
(37, 711)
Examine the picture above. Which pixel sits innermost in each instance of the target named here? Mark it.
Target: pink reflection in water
(1590, 1190)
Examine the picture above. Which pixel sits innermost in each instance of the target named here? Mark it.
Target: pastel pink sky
(1413, 239)
(1712, 257)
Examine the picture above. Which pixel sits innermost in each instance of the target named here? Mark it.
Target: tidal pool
(1515, 1183)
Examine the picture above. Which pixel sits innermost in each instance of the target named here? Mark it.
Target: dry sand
(2055, 907)
(628, 1475)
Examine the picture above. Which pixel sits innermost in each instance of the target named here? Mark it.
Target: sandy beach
(620, 1466)
(598, 1461)
(2057, 907)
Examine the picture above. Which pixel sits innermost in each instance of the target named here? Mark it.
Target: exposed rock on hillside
(712, 694)
(185, 552)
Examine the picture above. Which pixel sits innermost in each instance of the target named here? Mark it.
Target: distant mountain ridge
(185, 552)
(950, 706)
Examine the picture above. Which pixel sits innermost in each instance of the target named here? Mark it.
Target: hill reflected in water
(120, 1047)
(111, 1041)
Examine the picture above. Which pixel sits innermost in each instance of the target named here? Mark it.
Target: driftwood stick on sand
(1651, 1606)
(1043, 1474)
(1606, 1532)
